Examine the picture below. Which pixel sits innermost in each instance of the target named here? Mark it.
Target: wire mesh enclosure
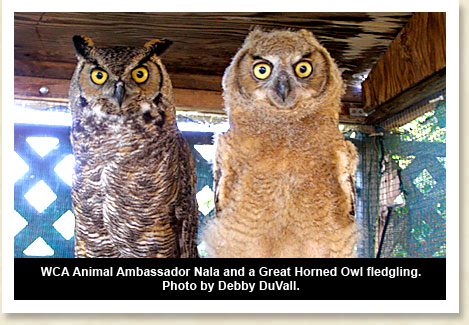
(401, 182)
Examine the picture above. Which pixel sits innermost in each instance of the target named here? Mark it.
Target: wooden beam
(189, 99)
(64, 70)
(409, 97)
(44, 69)
(199, 100)
(353, 94)
(418, 53)
(345, 117)
(186, 99)
(195, 81)
(28, 88)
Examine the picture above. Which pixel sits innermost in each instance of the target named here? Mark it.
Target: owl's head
(119, 81)
(283, 73)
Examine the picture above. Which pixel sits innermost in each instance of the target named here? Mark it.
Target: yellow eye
(98, 76)
(261, 70)
(140, 75)
(303, 69)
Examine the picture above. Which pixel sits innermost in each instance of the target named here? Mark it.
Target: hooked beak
(282, 86)
(119, 92)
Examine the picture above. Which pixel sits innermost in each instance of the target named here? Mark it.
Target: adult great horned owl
(133, 190)
(284, 175)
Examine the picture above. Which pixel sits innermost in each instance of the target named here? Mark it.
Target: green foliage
(429, 127)
(422, 232)
(441, 252)
(402, 212)
(403, 162)
(399, 251)
(440, 207)
(424, 182)
(417, 148)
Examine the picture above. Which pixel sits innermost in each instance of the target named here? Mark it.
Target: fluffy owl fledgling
(284, 175)
(133, 189)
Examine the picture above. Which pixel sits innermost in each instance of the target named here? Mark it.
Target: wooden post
(412, 68)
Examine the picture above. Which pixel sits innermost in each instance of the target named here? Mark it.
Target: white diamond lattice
(65, 225)
(39, 247)
(65, 169)
(442, 160)
(205, 200)
(42, 145)
(21, 167)
(202, 249)
(40, 196)
(207, 151)
(18, 222)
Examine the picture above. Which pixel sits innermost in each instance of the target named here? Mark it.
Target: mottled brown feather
(283, 172)
(133, 189)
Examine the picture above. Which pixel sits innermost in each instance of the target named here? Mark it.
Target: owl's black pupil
(262, 70)
(303, 69)
(99, 75)
(139, 74)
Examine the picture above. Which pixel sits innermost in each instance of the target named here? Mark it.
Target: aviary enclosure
(394, 111)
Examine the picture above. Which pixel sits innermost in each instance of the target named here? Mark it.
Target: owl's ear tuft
(83, 45)
(158, 46)
(305, 32)
(256, 30)
(254, 33)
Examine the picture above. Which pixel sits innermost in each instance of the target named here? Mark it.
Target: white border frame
(450, 305)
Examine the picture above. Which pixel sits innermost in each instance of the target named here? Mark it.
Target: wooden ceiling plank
(64, 70)
(28, 87)
(202, 99)
(44, 69)
(204, 43)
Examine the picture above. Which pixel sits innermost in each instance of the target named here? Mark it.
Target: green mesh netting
(204, 171)
(401, 185)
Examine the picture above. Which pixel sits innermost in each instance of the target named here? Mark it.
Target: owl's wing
(218, 184)
(347, 180)
(187, 213)
(353, 196)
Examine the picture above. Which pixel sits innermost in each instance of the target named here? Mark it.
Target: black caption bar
(199, 279)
